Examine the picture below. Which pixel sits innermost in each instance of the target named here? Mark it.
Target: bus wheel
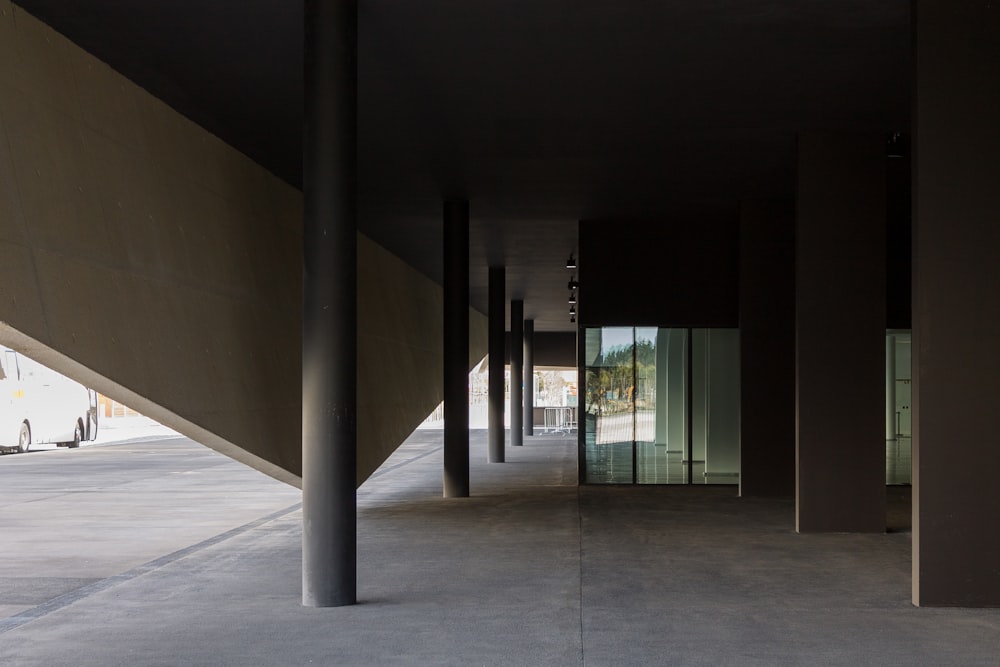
(24, 439)
(77, 436)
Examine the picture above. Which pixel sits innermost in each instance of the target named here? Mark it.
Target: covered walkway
(531, 570)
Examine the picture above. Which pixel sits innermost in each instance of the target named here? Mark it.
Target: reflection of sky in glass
(645, 334)
(615, 337)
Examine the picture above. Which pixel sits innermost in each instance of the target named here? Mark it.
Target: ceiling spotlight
(572, 310)
(572, 318)
(572, 284)
(572, 297)
(571, 263)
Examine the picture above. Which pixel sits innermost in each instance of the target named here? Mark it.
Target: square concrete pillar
(767, 349)
(840, 333)
(956, 305)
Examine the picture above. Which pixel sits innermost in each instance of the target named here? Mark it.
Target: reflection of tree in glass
(609, 385)
(645, 373)
(614, 383)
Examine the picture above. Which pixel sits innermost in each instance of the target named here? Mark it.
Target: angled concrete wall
(400, 354)
(146, 258)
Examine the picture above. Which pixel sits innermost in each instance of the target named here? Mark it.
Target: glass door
(609, 410)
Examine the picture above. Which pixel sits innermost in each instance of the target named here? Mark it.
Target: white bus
(39, 406)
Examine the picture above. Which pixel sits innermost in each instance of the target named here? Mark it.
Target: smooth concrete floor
(165, 553)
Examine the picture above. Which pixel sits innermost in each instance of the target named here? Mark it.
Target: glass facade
(661, 406)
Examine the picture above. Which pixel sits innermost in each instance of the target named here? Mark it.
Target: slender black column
(529, 377)
(516, 372)
(329, 314)
(456, 349)
(497, 301)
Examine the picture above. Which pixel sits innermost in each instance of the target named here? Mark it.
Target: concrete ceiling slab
(541, 112)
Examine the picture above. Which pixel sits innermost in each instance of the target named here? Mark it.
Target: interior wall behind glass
(898, 417)
(904, 384)
(699, 399)
(671, 413)
(722, 451)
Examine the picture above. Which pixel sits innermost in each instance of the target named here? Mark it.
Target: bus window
(11, 365)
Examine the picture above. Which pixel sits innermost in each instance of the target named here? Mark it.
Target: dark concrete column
(767, 349)
(529, 377)
(956, 301)
(497, 327)
(516, 372)
(456, 349)
(840, 332)
(329, 316)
